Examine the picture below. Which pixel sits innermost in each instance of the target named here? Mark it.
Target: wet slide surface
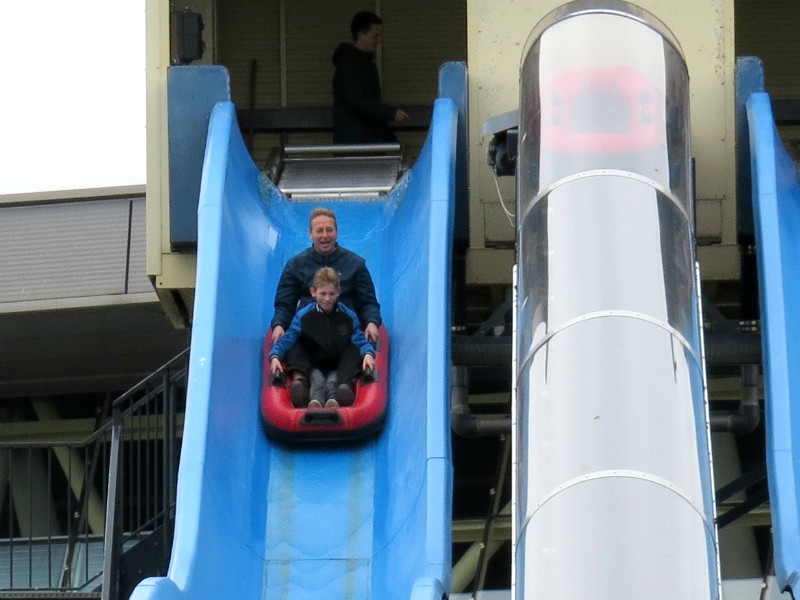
(776, 204)
(315, 511)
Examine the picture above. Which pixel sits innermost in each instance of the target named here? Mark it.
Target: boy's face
(325, 296)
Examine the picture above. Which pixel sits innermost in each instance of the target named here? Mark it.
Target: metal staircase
(90, 518)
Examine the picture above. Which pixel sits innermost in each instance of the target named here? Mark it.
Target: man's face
(323, 234)
(326, 296)
(369, 40)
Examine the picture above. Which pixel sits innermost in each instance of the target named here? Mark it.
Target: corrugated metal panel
(248, 30)
(310, 43)
(768, 30)
(138, 281)
(313, 177)
(418, 36)
(67, 250)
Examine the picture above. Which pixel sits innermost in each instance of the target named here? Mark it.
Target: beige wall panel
(496, 35)
(157, 31)
(500, 227)
(496, 32)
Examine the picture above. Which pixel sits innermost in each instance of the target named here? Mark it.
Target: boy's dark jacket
(324, 335)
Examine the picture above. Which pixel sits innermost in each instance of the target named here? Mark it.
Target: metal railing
(68, 510)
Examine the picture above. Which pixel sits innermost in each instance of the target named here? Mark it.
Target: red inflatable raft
(366, 416)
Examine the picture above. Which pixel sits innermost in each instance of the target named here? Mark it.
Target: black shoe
(344, 395)
(298, 393)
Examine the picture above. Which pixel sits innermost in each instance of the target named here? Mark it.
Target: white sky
(72, 98)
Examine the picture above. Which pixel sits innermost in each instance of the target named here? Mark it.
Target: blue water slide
(260, 520)
(776, 205)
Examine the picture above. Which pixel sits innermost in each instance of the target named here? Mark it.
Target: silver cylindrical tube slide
(613, 489)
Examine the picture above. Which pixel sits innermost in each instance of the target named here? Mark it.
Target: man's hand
(368, 364)
(371, 331)
(400, 115)
(275, 366)
(277, 333)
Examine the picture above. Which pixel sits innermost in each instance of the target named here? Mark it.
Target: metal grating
(339, 176)
(38, 563)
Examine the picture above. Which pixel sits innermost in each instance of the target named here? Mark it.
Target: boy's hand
(277, 333)
(275, 366)
(368, 364)
(371, 331)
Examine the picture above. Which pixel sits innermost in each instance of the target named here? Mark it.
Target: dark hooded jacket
(359, 115)
(357, 288)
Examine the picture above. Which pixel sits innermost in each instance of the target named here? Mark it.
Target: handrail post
(169, 440)
(113, 533)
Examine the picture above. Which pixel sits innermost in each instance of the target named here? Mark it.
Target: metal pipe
(747, 418)
(722, 348)
(739, 422)
(461, 420)
(342, 149)
(341, 191)
(733, 348)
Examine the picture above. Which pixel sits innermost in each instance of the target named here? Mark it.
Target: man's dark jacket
(357, 289)
(359, 115)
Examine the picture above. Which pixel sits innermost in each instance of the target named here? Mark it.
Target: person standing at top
(359, 114)
(356, 287)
